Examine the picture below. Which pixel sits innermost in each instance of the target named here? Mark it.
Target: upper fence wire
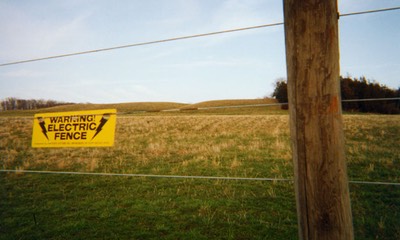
(181, 38)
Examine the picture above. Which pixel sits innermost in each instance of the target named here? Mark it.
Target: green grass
(208, 143)
(373, 154)
(136, 208)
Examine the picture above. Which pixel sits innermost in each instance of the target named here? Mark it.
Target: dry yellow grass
(240, 145)
(159, 144)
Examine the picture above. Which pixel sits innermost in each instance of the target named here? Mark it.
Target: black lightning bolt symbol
(43, 126)
(103, 121)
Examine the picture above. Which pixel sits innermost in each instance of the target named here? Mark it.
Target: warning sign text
(74, 129)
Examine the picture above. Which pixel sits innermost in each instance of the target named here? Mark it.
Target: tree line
(13, 103)
(355, 88)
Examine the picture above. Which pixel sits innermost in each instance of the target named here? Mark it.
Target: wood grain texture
(312, 55)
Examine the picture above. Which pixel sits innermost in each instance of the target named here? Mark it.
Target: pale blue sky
(229, 66)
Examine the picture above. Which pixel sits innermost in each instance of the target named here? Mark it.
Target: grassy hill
(199, 139)
(235, 106)
(232, 102)
(76, 206)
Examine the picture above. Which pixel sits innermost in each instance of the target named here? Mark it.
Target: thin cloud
(24, 73)
(206, 63)
(26, 35)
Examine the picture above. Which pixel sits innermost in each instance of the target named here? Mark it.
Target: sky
(239, 65)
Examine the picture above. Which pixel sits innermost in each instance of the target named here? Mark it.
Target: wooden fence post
(312, 56)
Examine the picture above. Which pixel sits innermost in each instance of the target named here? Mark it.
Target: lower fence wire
(179, 176)
(206, 177)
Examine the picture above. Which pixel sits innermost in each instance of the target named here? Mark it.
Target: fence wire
(178, 176)
(181, 38)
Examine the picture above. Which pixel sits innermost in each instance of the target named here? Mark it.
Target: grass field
(251, 143)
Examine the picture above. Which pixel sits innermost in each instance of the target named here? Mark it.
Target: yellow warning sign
(93, 128)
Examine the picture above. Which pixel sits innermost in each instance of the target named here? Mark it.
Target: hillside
(123, 108)
(213, 107)
(229, 103)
